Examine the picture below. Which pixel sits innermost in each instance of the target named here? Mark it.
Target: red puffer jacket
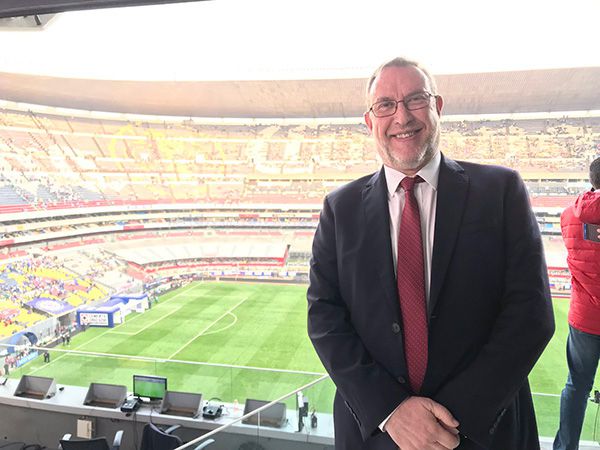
(584, 262)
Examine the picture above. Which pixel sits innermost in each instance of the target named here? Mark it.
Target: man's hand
(419, 423)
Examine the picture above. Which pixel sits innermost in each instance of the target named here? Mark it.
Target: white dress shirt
(426, 195)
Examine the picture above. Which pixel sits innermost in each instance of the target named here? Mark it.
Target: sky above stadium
(286, 39)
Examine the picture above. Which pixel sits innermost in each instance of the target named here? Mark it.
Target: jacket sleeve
(522, 329)
(370, 392)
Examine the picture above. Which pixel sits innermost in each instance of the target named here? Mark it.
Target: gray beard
(417, 163)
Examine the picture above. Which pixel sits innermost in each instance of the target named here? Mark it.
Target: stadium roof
(551, 90)
(177, 58)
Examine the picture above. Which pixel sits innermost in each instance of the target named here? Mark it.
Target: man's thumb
(443, 415)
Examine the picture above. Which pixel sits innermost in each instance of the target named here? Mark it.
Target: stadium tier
(32, 289)
(83, 173)
(51, 160)
(92, 208)
(126, 186)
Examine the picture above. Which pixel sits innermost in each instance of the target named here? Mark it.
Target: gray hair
(400, 62)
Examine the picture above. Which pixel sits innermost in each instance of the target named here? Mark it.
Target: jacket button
(401, 380)
(395, 328)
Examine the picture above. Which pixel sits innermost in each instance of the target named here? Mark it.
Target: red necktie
(411, 286)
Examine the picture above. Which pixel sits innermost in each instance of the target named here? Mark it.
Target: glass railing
(547, 407)
(291, 417)
(314, 424)
(232, 388)
(243, 396)
(225, 383)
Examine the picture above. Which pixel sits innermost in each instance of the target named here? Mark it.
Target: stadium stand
(228, 198)
(250, 163)
(30, 285)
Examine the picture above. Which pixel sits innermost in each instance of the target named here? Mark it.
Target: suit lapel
(376, 210)
(453, 186)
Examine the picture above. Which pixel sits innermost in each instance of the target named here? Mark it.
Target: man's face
(407, 140)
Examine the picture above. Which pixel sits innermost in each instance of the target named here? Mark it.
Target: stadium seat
(153, 438)
(99, 443)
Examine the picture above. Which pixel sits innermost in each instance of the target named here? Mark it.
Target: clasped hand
(419, 423)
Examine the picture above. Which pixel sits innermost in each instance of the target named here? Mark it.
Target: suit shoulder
(487, 176)
(349, 192)
(487, 169)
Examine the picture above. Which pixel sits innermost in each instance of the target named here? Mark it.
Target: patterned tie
(411, 286)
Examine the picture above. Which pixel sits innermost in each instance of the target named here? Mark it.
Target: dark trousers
(583, 352)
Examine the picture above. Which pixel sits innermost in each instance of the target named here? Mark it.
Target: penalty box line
(209, 326)
(54, 360)
(134, 333)
(161, 305)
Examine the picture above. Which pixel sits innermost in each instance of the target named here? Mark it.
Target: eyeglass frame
(403, 101)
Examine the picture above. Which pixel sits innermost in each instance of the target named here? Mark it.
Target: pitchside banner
(50, 306)
(93, 319)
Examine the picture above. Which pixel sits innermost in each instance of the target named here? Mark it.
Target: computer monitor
(274, 416)
(186, 404)
(149, 386)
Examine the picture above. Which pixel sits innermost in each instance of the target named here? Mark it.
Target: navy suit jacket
(490, 310)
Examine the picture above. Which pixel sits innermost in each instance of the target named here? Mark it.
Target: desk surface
(69, 400)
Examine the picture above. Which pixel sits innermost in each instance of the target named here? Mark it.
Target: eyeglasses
(386, 108)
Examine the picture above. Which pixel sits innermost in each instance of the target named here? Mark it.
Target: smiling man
(407, 137)
(428, 301)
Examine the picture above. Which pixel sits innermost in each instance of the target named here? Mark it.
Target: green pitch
(250, 325)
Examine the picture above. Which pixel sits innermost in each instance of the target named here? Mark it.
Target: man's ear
(368, 121)
(439, 104)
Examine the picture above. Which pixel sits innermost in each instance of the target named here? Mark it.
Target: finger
(443, 415)
(450, 429)
(447, 439)
(438, 446)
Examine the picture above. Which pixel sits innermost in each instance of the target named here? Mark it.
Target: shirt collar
(430, 174)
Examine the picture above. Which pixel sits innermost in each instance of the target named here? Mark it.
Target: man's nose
(402, 114)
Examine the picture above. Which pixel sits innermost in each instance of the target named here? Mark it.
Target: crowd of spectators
(226, 163)
(44, 277)
(21, 282)
(49, 162)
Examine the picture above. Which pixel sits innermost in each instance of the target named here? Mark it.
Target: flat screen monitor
(274, 416)
(149, 386)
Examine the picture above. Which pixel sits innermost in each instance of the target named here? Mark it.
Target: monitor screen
(149, 386)
(274, 416)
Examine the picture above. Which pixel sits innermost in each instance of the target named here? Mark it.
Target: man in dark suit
(483, 283)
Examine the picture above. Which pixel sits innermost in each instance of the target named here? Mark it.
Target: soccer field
(259, 325)
(250, 325)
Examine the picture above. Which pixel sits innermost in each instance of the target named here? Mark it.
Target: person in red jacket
(583, 343)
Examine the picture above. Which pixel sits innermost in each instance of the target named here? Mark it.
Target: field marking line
(235, 319)
(76, 350)
(185, 290)
(45, 365)
(209, 326)
(199, 363)
(176, 361)
(157, 320)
